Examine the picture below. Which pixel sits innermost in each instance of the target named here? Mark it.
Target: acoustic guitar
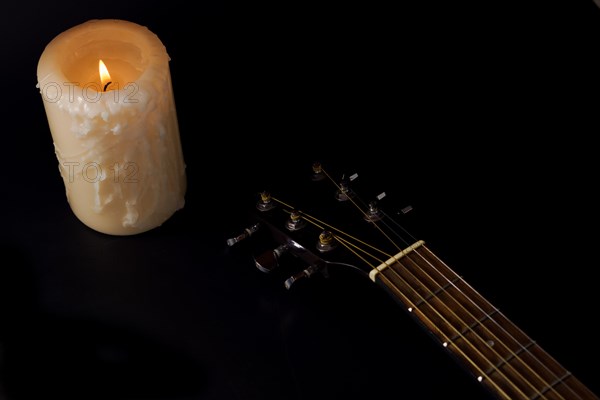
(344, 229)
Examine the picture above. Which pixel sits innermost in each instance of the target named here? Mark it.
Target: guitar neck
(493, 349)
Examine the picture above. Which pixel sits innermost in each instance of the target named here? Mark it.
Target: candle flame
(104, 75)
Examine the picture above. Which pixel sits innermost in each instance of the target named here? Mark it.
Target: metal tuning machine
(373, 214)
(306, 273)
(327, 242)
(265, 203)
(295, 221)
(269, 260)
(344, 191)
(318, 174)
(244, 235)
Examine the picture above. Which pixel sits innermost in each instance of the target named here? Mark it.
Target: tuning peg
(307, 273)
(326, 242)
(246, 234)
(295, 221)
(318, 174)
(373, 213)
(266, 202)
(269, 260)
(344, 192)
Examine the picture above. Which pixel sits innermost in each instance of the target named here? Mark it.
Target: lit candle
(106, 89)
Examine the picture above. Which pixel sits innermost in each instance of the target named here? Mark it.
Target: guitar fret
(466, 329)
(437, 291)
(552, 385)
(440, 273)
(510, 357)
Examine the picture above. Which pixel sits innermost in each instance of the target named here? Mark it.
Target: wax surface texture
(119, 149)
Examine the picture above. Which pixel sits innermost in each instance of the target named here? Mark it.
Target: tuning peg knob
(269, 260)
(244, 235)
(307, 273)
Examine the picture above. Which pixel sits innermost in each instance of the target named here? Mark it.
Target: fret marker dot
(445, 344)
(479, 378)
(409, 309)
(491, 343)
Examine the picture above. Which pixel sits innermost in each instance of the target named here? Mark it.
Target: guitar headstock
(322, 219)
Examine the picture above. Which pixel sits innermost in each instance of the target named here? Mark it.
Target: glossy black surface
(438, 109)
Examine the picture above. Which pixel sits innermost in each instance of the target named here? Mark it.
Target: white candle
(116, 136)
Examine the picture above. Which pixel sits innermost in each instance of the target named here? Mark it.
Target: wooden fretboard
(498, 354)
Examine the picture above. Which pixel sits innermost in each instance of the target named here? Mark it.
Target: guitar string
(354, 248)
(346, 243)
(444, 288)
(456, 277)
(452, 312)
(469, 299)
(560, 380)
(352, 201)
(513, 354)
(316, 222)
(444, 335)
(448, 338)
(414, 239)
(523, 348)
(324, 224)
(479, 322)
(399, 226)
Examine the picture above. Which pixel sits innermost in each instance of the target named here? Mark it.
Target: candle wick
(105, 86)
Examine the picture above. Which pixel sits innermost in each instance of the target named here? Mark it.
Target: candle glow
(105, 79)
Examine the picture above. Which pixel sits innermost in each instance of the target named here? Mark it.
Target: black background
(480, 116)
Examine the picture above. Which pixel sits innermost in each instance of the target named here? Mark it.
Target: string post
(265, 203)
(295, 221)
(373, 213)
(344, 192)
(326, 242)
(318, 174)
